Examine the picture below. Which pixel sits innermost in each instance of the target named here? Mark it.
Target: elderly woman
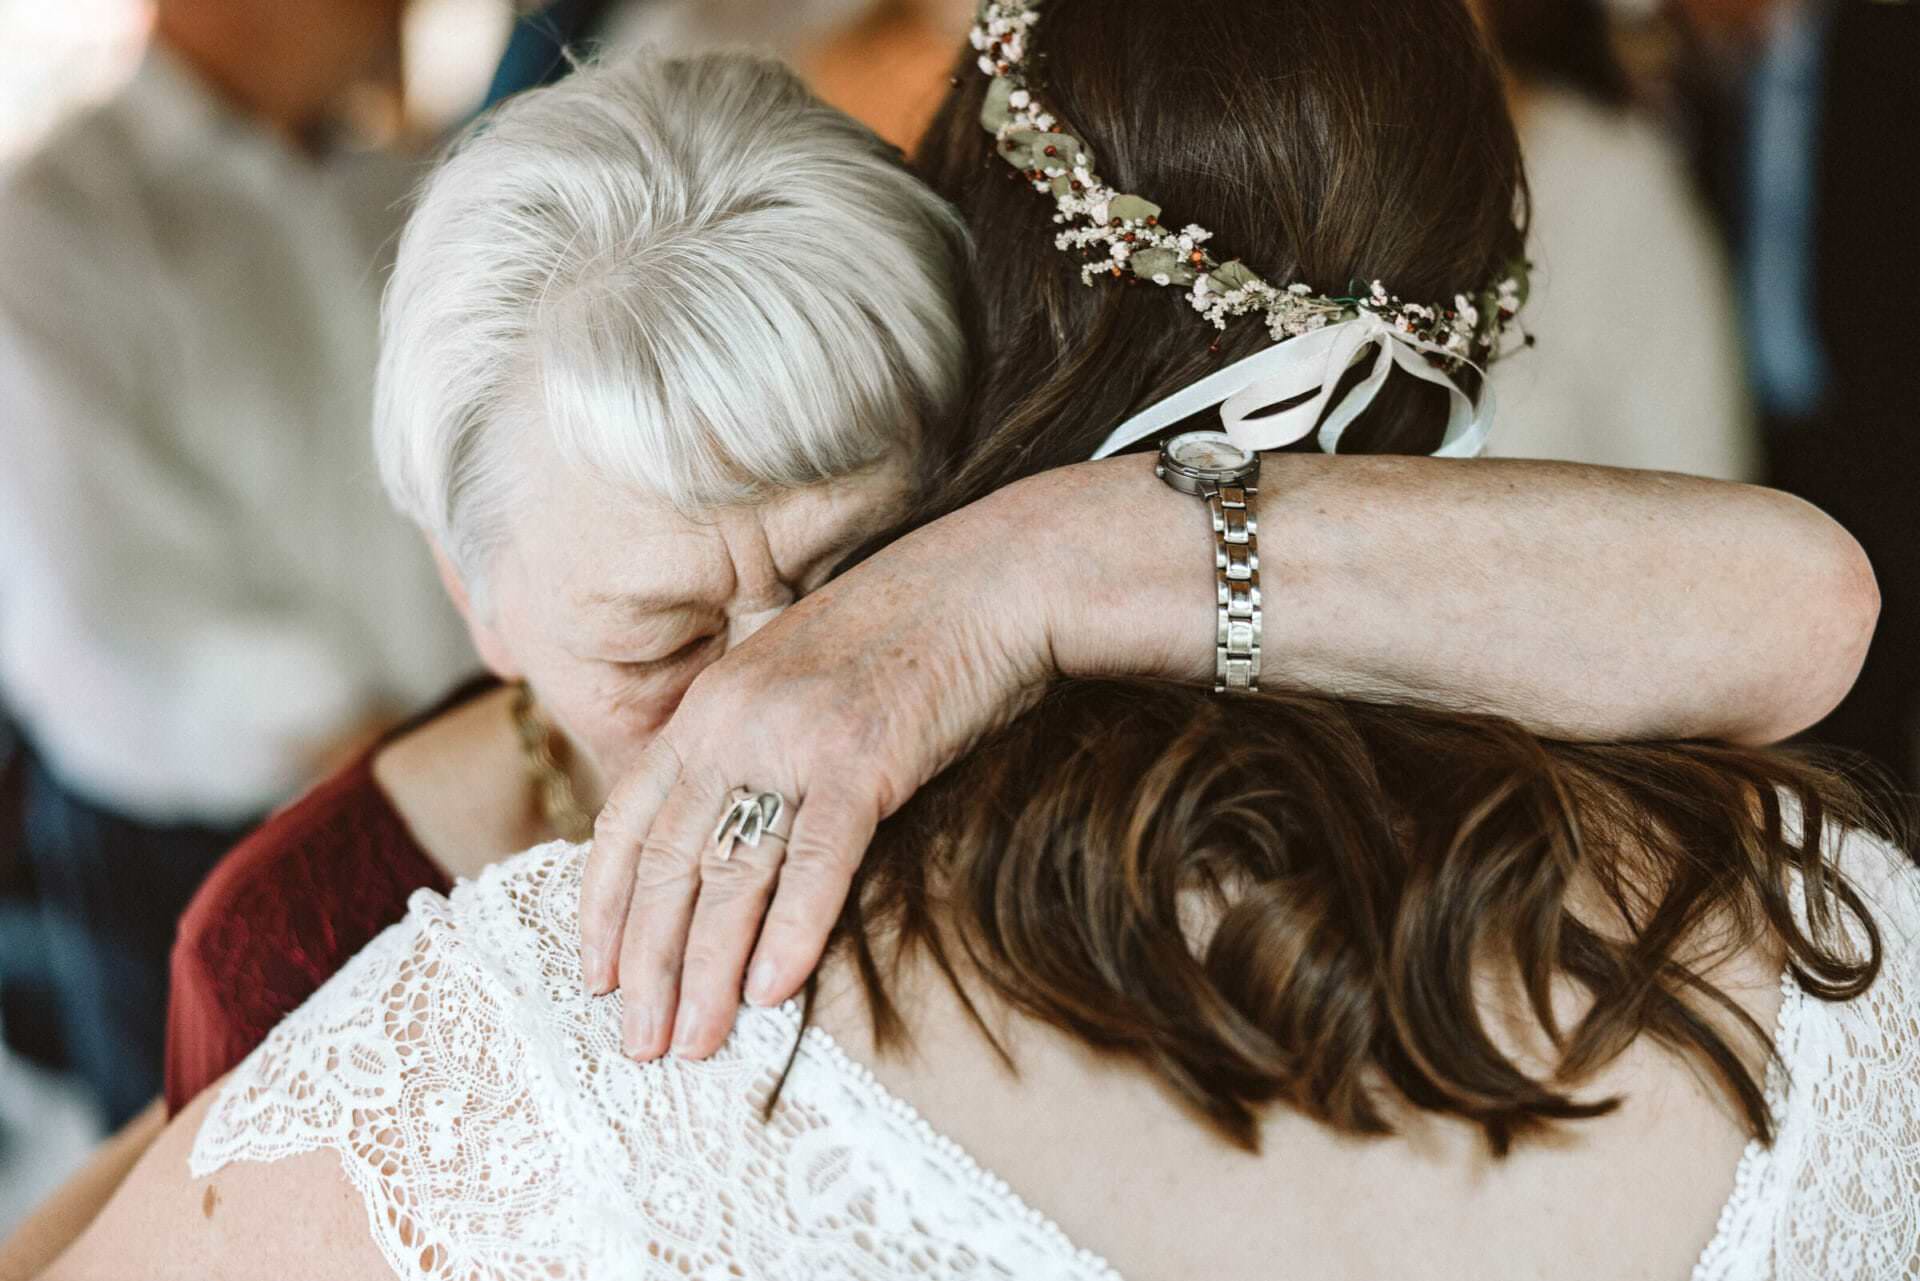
(662, 346)
(1170, 911)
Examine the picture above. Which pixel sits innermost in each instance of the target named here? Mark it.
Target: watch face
(1208, 451)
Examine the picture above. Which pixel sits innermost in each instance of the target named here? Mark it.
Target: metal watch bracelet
(1236, 560)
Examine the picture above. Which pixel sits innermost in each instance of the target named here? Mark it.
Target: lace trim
(478, 1103)
(1838, 1193)
(987, 1182)
(1746, 1175)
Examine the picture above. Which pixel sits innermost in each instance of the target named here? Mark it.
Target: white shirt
(498, 1131)
(201, 581)
(1638, 362)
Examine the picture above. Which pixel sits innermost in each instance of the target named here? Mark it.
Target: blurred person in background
(1799, 116)
(886, 63)
(204, 600)
(1805, 111)
(1831, 165)
(1641, 366)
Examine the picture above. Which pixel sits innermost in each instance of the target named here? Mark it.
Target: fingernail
(637, 1032)
(686, 1029)
(760, 982)
(593, 959)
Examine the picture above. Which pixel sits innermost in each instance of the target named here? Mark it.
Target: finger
(735, 886)
(830, 837)
(606, 885)
(666, 880)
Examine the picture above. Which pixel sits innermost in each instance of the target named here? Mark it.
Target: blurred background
(205, 605)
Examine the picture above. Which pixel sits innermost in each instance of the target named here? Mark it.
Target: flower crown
(1122, 235)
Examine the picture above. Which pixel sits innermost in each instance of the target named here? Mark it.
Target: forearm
(1583, 602)
(58, 1223)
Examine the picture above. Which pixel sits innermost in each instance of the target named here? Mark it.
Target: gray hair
(708, 285)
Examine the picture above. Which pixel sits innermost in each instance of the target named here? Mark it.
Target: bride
(1374, 990)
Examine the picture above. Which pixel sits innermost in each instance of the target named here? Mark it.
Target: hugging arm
(1582, 602)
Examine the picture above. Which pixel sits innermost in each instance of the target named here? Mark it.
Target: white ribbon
(1296, 368)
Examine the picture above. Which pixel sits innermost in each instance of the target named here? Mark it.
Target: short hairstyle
(707, 284)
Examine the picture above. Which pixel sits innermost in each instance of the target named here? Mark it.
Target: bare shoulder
(456, 783)
(411, 766)
(296, 1218)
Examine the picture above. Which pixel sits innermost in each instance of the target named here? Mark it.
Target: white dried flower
(1287, 310)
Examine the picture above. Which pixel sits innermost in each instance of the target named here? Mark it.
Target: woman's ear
(487, 640)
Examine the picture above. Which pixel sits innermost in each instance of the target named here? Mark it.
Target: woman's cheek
(610, 712)
(626, 720)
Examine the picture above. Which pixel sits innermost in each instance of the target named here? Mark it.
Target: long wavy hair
(1286, 897)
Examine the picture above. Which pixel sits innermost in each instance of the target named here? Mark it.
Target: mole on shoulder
(207, 1202)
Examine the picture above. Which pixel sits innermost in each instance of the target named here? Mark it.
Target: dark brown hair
(1359, 859)
(1287, 898)
(1335, 142)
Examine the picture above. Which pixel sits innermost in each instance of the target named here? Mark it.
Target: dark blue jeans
(110, 891)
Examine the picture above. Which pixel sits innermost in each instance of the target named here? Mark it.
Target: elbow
(1855, 597)
(1836, 599)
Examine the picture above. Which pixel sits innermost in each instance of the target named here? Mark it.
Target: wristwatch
(1208, 465)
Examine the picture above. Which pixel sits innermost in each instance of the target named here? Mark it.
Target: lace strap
(479, 1102)
(1838, 1193)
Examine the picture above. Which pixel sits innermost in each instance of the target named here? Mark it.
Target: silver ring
(750, 818)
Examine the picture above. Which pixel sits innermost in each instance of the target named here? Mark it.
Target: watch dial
(1208, 451)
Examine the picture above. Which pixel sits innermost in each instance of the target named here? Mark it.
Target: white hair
(708, 285)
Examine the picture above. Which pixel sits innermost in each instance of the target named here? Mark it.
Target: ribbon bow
(1248, 391)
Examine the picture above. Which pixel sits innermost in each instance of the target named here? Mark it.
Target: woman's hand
(845, 705)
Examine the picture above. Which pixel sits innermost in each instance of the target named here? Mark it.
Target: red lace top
(287, 907)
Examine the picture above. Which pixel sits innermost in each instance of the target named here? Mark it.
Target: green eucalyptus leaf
(1521, 272)
(1229, 276)
(1132, 208)
(997, 112)
(1066, 147)
(1149, 263)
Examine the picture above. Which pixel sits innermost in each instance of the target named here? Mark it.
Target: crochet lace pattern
(477, 1098)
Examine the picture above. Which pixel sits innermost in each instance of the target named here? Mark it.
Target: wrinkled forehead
(586, 545)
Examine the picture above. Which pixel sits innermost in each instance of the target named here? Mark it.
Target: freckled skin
(208, 1202)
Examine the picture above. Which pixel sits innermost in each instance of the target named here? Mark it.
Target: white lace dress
(479, 1102)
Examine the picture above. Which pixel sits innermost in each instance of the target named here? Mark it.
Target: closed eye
(686, 653)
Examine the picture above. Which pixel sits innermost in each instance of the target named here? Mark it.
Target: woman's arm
(61, 1219)
(1584, 602)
